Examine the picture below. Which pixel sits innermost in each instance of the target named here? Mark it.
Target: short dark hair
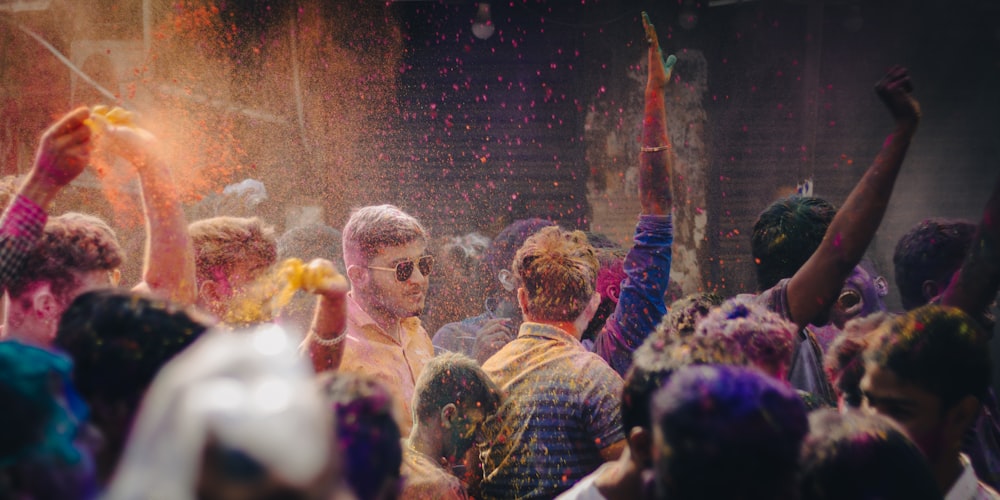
(767, 339)
(371, 229)
(932, 250)
(656, 360)
(367, 433)
(940, 349)
(732, 432)
(453, 378)
(855, 456)
(786, 234)
(119, 340)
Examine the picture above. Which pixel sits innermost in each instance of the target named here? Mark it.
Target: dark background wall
(790, 97)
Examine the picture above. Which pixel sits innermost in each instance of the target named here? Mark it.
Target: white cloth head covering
(248, 390)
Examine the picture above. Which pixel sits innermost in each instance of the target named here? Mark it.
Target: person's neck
(424, 442)
(947, 471)
(389, 323)
(23, 330)
(566, 326)
(621, 480)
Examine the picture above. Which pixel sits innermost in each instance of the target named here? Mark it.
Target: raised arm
(655, 155)
(647, 265)
(168, 264)
(325, 341)
(63, 153)
(816, 285)
(974, 286)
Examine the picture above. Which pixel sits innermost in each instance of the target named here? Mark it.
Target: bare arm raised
(814, 288)
(325, 341)
(975, 284)
(168, 266)
(63, 153)
(647, 265)
(656, 157)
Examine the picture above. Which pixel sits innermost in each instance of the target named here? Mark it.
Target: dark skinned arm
(814, 288)
(975, 284)
(656, 157)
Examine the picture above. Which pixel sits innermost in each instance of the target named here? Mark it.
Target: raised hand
(896, 91)
(659, 70)
(64, 150)
(321, 277)
(116, 127)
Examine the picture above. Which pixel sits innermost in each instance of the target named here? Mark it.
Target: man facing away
(560, 420)
(385, 253)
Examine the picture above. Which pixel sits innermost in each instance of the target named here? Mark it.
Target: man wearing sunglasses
(385, 253)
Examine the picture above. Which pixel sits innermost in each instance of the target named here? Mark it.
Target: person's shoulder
(985, 492)
(598, 368)
(586, 488)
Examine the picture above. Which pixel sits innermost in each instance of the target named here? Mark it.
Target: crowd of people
(577, 381)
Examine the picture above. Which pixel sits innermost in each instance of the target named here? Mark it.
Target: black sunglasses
(404, 269)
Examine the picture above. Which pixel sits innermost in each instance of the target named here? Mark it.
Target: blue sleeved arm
(640, 304)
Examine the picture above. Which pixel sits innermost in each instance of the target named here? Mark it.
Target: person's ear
(448, 413)
(506, 279)
(930, 290)
(357, 274)
(961, 416)
(640, 442)
(45, 306)
(209, 293)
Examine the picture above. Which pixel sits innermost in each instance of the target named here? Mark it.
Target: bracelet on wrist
(331, 341)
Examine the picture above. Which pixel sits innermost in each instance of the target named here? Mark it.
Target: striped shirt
(562, 409)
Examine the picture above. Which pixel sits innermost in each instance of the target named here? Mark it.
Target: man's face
(400, 299)
(862, 295)
(917, 411)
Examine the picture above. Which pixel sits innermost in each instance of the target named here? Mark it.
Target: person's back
(561, 418)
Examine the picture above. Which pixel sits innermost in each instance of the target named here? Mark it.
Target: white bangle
(654, 149)
(329, 342)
